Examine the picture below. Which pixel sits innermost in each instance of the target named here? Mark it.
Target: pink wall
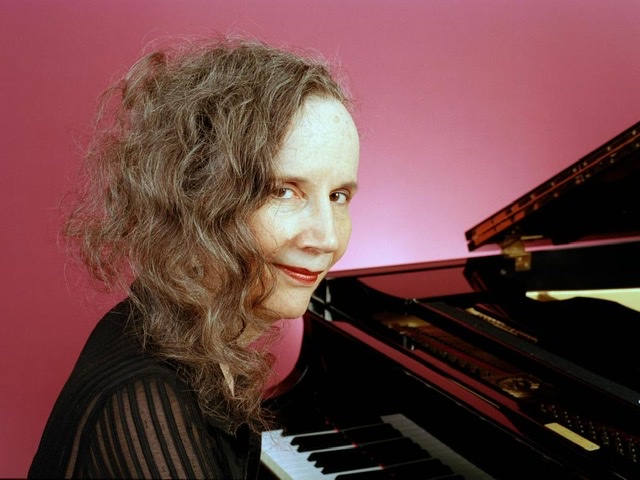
(462, 106)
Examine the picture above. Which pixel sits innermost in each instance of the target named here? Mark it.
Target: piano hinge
(513, 247)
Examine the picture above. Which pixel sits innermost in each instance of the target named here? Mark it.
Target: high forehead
(322, 127)
(323, 115)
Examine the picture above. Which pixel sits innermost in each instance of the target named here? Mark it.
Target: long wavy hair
(183, 154)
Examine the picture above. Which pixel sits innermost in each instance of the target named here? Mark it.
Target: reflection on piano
(496, 366)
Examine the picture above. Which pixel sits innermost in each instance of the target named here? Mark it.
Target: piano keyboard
(394, 448)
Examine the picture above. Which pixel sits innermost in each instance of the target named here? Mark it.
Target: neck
(227, 376)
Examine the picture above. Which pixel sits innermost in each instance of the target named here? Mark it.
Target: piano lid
(596, 196)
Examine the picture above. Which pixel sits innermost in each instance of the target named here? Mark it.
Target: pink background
(462, 105)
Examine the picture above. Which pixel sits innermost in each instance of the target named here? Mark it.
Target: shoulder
(113, 353)
(115, 375)
(117, 371)
(115, 382)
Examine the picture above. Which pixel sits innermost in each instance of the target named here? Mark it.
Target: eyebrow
(352, 186)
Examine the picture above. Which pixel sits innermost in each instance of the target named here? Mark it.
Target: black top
(125, 414)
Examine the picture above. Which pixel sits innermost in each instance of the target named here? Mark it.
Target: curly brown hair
(182, 156)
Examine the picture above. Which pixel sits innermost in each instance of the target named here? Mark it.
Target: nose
(320, 231)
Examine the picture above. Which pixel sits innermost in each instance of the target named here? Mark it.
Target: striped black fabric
(124, 414)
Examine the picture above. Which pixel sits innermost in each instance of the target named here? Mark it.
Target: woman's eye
(283, 192)
(340, 197)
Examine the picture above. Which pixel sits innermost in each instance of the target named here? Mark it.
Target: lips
(301, 275)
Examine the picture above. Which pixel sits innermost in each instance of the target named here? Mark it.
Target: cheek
(343, 228)
(269, 229)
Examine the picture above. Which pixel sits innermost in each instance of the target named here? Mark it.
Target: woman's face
(305, 226)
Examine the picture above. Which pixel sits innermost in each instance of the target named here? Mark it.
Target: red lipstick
(302, 275)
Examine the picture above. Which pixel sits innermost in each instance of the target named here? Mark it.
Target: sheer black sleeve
(151, 429)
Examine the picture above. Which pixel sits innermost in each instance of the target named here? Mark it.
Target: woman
(218, 198)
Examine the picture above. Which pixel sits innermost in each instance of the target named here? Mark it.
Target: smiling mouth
(301, 275)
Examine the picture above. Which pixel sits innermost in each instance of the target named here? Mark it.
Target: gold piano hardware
(573, 437)
(501, 325)
(513, 247)
(398, 320)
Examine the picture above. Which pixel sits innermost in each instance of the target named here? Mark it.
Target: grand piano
(522, 364)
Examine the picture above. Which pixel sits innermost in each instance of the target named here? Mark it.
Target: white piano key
(287, 463)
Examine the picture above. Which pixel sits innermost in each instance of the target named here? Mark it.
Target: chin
(289, 308)
(289, 304)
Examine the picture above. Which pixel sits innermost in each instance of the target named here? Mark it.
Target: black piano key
(431, 468)
(355, 435)
(321, 441)
(334, 461)
(384, 454)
